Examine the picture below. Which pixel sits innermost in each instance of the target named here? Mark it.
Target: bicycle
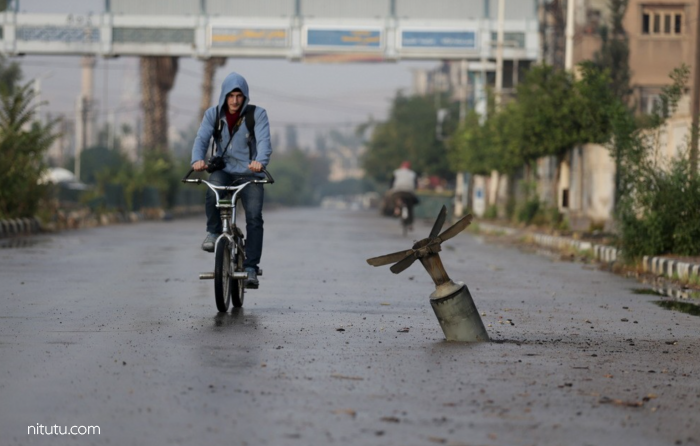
(229, 248)
(403, 208)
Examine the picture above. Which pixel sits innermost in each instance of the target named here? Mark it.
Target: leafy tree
(98, 160)
(299, 179)
(550, 114)
(548, 111)
(409, 134)
(23, 143)
(467, 149)
(10, 75)
(613, 55)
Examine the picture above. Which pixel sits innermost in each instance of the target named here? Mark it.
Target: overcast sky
(314, 96)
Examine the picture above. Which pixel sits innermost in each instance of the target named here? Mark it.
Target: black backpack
(249, 117)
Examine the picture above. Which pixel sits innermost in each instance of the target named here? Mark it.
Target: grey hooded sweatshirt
(238, 155)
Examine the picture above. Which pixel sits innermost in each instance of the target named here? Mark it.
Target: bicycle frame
(227, 207)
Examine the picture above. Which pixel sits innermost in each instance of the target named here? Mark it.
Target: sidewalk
(671, 268)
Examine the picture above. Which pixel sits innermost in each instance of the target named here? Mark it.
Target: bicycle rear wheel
(404, 220)
(238, 286)
(223, 272)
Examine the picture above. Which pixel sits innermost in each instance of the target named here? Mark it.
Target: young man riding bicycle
(241, 154)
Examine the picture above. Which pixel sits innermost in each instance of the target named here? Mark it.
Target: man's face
(234, 101)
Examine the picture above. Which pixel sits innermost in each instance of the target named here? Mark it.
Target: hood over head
(233, 81)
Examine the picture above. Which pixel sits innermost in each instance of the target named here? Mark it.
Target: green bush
(491, 212)
(664, 217)
(658, 203)
(528, 210)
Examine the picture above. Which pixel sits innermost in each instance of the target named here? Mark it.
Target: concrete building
(663, 35)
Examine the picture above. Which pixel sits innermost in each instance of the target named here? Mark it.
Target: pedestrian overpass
(333, 30)
(296, 30)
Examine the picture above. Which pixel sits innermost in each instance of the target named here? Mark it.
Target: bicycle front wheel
(223, 273)
(238, 286)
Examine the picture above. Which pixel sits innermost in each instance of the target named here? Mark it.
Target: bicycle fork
(226, 213)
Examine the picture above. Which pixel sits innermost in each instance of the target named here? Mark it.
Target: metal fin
(403, 264)
(437, 226)
(455, 228)
(389, 258)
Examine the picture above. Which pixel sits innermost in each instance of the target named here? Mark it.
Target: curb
(76, 220)
(670, 268)
(663, 266)
(19, 226)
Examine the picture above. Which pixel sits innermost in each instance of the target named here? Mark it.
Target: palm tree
(157, 79)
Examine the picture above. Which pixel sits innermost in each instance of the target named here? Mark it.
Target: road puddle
(677, 296)
(673, 293)
(647, 291)
(18, 243)
(683, 307)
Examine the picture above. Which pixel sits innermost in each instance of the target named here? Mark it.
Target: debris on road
(339, 376)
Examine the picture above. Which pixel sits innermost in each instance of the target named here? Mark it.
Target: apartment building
(662, 36)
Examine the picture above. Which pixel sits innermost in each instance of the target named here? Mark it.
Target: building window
(662, 21)
(649, 99)
(678, 23)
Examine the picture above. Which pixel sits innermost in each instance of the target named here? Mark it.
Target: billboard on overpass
(249, 37)
(422, 39)
(63, 34)
(351, 38)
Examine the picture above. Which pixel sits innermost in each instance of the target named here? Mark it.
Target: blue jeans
(252, 198)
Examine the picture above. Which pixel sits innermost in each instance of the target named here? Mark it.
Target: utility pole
(694, 130)
(464, 80)
(569, 61)
(499, 53)
(80, 148)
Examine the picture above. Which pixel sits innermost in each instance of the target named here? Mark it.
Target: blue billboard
(439, 39)
(354, 38)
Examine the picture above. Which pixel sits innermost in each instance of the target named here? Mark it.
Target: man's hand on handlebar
(255, 166)
(199, 166)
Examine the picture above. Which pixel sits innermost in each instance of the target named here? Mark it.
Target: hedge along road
(111, 327)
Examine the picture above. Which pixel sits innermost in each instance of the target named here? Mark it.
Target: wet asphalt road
(110, 327)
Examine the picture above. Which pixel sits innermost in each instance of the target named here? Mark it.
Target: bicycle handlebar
(269, 179)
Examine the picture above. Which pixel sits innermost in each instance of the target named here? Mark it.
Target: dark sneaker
(252, 280)
(208, 243)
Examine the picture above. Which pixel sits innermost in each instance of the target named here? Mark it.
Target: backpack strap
(217, 129)
(250, 125)
(217, 136)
